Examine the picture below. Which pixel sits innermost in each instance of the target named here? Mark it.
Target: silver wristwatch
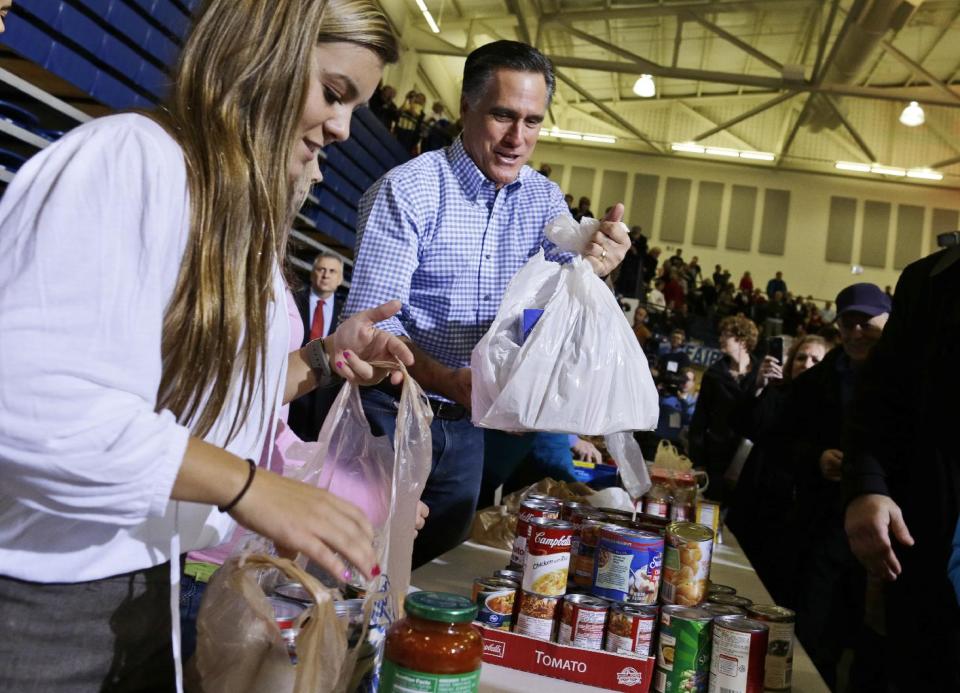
(317, 358)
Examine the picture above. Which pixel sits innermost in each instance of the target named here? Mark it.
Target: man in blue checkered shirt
(445, 233)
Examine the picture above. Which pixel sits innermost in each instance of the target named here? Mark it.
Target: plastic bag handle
(257, 561)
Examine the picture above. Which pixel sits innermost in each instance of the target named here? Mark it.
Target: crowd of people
(415, 129)
(145, 391)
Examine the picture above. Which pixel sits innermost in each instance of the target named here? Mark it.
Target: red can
(737, 663)
(570, 507)
(547, 559)
(630, 629)
(582, 621)
(529, 510)
(542, 497)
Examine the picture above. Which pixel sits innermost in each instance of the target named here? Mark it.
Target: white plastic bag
(580, 370)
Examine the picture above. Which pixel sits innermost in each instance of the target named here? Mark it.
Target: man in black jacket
(901, 472)
(320, 307)
(830, 585)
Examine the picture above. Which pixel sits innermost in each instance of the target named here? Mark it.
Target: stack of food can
(530, 509)
(544, 582)
(595, 579)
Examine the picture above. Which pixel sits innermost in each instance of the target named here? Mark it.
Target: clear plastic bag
(580, 369)
(386, 481)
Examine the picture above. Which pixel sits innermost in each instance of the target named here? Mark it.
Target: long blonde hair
(239, 87)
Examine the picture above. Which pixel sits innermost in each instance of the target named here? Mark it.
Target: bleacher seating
(119, 52)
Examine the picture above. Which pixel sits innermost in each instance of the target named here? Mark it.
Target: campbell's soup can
(536, 615)
(627, 565)
(541, 497)
(739, 654)
(686, 563)
(779, 661)
(630, 629)
(683, 650)
(529, 510)
(547, 559)
(582, 561)
(495, 599)
(582, 621)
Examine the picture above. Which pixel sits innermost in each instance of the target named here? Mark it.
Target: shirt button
(487, 297)
(488, 256)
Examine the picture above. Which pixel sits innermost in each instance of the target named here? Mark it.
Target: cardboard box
(604, 670)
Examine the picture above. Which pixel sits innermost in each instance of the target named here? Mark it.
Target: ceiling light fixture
(580, 136)
(693, 148)
(895, 171)
(722, 151)
(888, 170)
(913, 115)
(852, 166)
(602, 139)
(924, 174)
(688, 147)
(429, 17)
(645, 86)
(758, 156)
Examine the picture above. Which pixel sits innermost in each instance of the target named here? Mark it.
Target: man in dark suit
(901, 471)
(320, 307)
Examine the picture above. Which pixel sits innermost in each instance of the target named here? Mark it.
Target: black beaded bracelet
(246, 487)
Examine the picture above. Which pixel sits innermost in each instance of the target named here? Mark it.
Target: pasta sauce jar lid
(440, 606)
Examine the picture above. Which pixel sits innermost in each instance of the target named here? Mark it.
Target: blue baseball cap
(863, 298)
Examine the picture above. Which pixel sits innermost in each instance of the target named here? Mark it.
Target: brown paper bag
(240, 648)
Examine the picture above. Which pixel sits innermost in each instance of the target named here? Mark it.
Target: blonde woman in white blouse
(143, 342)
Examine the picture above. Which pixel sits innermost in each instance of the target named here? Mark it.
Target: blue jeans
(191, 593)
(454, 483)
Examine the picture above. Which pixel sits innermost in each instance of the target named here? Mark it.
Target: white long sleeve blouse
(92, 234)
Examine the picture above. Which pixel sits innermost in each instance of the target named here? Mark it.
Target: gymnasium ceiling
(812, 82)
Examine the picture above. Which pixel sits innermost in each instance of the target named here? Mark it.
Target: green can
(683, 650)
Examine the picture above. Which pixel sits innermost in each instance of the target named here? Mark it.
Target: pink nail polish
(346, 574)
(339, 364)
(375, 571)
(346, 354)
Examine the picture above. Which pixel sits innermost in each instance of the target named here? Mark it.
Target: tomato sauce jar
(435, 647)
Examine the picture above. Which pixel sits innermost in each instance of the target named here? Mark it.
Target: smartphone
(775, 348)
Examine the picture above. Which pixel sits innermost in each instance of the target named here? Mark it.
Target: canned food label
(630, 573)
(546, 574)
(686, 573)
(629, 634)
(535, 627)
(779, 663)
(655, 508)
(396, 679)
(519, 550)
(729, 665)
(584, 629)
(683, 657)
(495, 609)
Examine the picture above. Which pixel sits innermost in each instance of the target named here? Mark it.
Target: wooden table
(456, 570)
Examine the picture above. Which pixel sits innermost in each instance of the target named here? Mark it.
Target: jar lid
(440, 606)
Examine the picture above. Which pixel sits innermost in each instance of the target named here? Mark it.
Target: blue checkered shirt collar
(470, 177)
